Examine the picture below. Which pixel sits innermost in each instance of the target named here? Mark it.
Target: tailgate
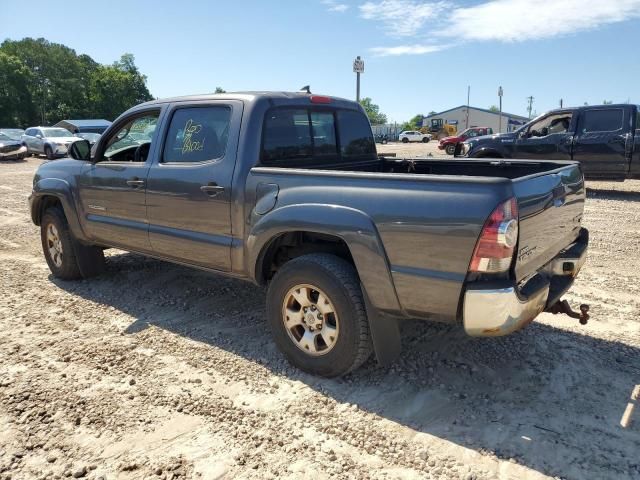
(550, 208)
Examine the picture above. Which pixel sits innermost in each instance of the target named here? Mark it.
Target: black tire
(49, 153)
(339, 282)
(405, 140)
(450, 149)
(76, 260)
(385, 141)
(425, 140)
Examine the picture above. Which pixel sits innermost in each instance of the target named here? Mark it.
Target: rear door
(603, 142)
(189, 186)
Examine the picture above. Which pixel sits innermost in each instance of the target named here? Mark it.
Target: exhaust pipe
(562, 306)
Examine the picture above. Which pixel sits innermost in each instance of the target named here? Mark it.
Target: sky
(420, 56)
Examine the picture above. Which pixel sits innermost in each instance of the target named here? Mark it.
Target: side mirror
(80, 150)
(39, 136)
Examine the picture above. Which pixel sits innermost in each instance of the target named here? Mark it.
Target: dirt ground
(156, 371)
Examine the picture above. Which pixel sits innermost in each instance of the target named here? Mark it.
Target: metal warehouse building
(477, 117)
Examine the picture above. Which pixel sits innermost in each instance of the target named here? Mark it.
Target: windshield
(4, 137)
(56, 132)
(12, 133)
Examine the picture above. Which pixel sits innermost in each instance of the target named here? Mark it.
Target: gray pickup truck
(286, 190)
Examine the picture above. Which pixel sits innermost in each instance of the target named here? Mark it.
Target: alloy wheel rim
(54, 245)
(310, 319)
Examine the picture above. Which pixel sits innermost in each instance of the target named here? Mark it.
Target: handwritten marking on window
(189, 144)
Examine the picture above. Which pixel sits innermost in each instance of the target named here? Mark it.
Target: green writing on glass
(189, 143)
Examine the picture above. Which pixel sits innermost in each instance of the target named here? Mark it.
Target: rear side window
(356, 141)
(296, 137)
(197, 134)
(606, 120)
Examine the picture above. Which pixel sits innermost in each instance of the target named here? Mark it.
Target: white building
(478, 117)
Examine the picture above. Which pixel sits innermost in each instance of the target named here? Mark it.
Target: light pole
(358, 68)
(500, 121)
(468, 97)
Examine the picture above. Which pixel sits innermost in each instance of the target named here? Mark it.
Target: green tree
(220, 90)
(494, 109)
(51, 82)
(607, 102)
(16, 106)
(373, 111)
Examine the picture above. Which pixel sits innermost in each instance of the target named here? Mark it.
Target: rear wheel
(66, 257)
(405, 140)
(450, 149)
(316, 312)
(49, 152)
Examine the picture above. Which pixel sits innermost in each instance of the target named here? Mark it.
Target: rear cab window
(305, 137)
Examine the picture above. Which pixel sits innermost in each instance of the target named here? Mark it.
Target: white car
(50, 141)
(413, 136)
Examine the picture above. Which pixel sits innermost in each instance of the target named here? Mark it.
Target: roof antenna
(306, 89)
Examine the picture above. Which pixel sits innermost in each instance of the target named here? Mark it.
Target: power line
(530, 107)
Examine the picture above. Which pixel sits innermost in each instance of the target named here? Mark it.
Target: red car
(448, 144)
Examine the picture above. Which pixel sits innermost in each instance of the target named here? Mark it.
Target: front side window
(557, 123)
(197, 134)
(131, 142)
(606, 120)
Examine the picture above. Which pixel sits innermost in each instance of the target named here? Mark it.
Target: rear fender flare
(353, 226)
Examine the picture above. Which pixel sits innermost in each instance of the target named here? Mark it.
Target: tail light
(496, 245)
(320, 99)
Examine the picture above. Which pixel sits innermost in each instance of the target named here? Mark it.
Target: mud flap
(385, 334)
(90, 259)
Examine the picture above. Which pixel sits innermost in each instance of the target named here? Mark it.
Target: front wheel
(450, 149)
(425, 140)
(316, 312)
(66, 257)
(49, 152)
(405, 140)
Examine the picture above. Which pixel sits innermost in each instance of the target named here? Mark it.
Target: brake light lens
(320, 99)
(496, 245)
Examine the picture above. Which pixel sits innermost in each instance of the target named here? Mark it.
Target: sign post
(500, 121)
(358, 68)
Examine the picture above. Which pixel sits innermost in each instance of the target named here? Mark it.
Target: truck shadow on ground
(611, 194)
(547, 398)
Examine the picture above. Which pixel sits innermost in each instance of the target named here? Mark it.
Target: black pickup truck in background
(605, 139)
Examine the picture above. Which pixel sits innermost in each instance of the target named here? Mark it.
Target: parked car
(605, 139)
(448, 144)
(382, 138)
(12, 133)
(413, 136)
(11, 149)
(92, 138)
(256, 186)
(50, 141)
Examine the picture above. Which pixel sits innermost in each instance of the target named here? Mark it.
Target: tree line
(42, 83)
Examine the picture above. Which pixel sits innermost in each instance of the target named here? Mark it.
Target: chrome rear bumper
(490, 312)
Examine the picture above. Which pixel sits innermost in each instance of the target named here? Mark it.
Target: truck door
(603, 142)
(113, 188)
(189, 187)
(546, 139)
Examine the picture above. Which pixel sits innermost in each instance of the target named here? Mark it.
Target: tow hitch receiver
(562, 306)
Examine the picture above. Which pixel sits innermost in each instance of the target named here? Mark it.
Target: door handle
(212, 189)
(135, 182)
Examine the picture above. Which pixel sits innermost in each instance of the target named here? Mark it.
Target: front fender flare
(60, 189)
(353, 226)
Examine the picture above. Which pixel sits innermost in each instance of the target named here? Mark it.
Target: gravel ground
(156, 371)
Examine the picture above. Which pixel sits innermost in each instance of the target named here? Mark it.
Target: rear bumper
(496, 310)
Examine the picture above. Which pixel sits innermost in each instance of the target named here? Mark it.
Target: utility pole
(500, 92)
(468, 97)
(358, 68)
(561, 103)
(530, 107)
